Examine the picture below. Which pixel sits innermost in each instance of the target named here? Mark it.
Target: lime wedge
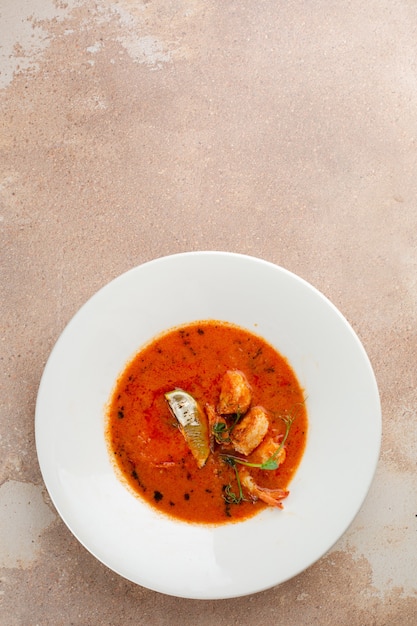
(192, 421)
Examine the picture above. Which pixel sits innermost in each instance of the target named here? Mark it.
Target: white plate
(332, 481)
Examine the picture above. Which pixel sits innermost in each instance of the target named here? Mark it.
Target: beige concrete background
(132, 129)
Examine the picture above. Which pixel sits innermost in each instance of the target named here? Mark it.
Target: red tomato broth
(149, 450)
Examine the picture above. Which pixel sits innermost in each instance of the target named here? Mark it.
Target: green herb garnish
(222, 432)
(229, 495)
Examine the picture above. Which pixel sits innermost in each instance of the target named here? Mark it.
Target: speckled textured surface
(135, 129)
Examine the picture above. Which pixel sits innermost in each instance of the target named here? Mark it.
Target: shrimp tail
(271, 497)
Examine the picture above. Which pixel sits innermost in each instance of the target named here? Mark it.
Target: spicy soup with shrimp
(149, 446)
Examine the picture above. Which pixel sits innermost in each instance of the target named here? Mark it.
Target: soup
(244, 449)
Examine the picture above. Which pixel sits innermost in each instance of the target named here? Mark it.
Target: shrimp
(218, 427)
(271, 497)
(269, 447)
(213, 417)
(235, 393)
(250, 431)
